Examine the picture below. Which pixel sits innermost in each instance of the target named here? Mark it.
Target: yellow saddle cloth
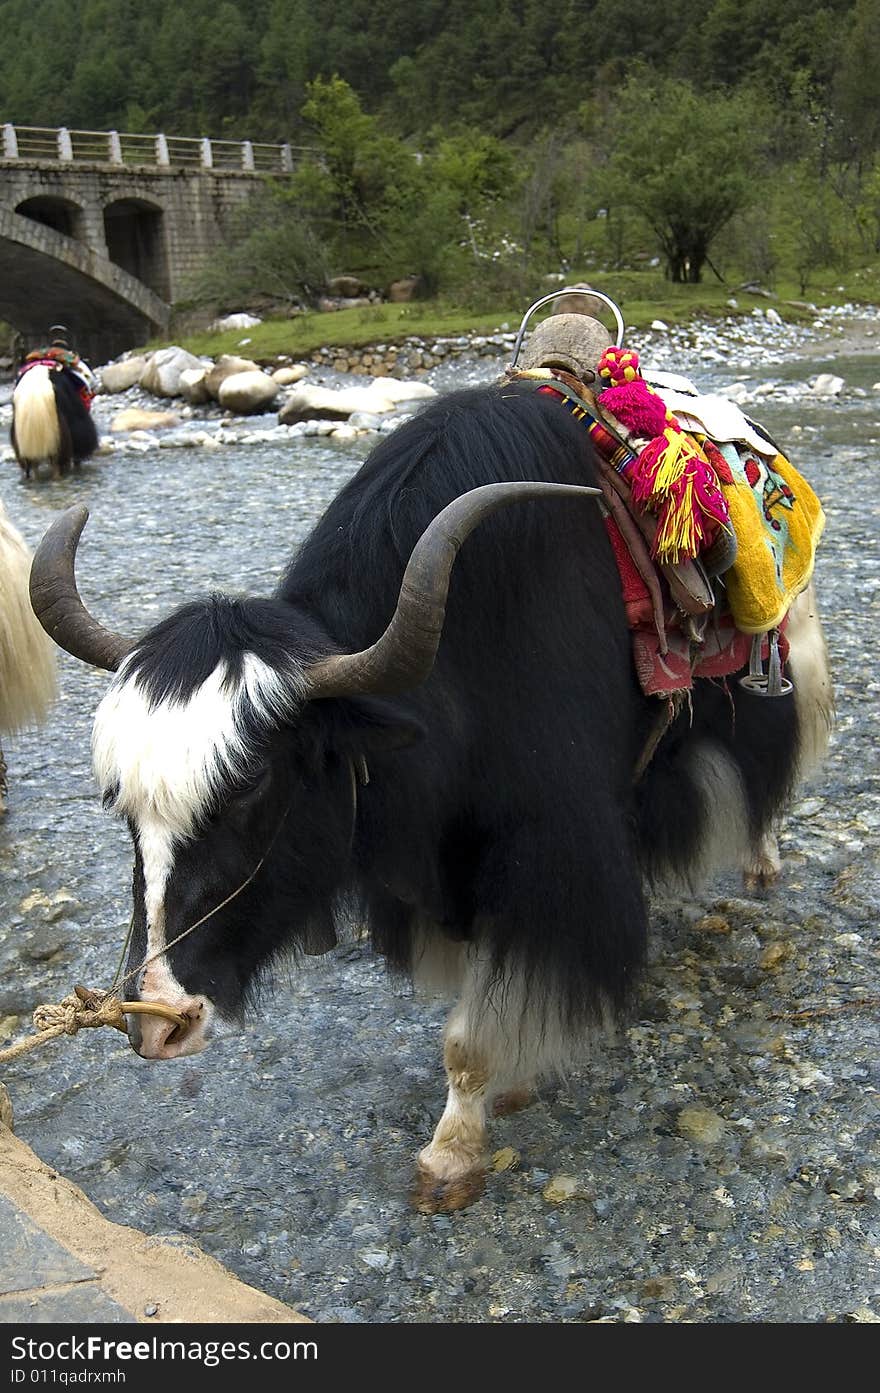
(777, 520)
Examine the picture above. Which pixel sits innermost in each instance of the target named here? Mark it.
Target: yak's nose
(155, 1037)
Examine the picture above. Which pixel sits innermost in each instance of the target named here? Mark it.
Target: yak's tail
(35, 423)
(27, 654)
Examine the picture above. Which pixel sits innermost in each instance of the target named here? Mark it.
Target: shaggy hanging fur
(27, 654)
(50, 422)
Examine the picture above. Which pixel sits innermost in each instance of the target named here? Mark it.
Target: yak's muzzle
(154, 1037)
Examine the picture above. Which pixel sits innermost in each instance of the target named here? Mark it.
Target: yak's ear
(373, 724)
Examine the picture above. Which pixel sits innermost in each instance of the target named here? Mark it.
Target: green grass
(642, 296)
(350, 328)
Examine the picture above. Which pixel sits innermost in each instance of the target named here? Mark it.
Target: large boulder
(118, 377)
(402, 291)
(247, 392)
(347, 287)
(828, 385)
(226, 366)
(311, 403)
(193, 387)
(161, 376)
(285, 377)
(397, 390)
(136, 419)
(575, 303)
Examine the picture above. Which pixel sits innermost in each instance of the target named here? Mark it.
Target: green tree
(274, 249)
(857, 89)
(368, 173)
(683, 160)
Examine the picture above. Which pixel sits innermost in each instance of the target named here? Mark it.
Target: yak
(436, 740)
(51, 423)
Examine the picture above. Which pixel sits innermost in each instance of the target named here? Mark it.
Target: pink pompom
(636, 407)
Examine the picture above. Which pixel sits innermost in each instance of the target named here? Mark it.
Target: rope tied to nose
(84, 1009)
(87, 1009)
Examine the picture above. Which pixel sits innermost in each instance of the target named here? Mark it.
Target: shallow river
(286, 1151)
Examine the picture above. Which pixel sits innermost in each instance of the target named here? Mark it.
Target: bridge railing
(59, 145)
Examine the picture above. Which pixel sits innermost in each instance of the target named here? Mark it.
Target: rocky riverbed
(716, 1162)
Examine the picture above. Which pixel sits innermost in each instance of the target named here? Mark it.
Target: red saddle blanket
(706, 646)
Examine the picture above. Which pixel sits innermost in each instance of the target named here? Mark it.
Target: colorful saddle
(713, 529)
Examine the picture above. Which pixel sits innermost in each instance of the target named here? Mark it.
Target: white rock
(396, 390)
(308, 402)
(193, 386)
(134, 419)
(365, 420)
(737, 392)
(380, 1259)
(161, 376)
(118, 377)
(285, 377)
(660, 326)
(247, 392)
(234, 321)
(226, 365)
(773, 316)
(827, 385)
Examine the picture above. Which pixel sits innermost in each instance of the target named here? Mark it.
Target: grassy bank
(642, 296)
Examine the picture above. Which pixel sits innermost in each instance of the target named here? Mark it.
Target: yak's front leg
(452, 1168)
(495, 1048)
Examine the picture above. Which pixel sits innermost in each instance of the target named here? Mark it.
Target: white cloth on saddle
(716, 417)
(669, 381)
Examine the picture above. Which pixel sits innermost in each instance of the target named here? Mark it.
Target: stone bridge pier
(105, 242)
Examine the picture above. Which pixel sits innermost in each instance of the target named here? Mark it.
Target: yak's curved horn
(55, 599)
(404, 655)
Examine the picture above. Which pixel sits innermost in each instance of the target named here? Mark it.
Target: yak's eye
(248, 796)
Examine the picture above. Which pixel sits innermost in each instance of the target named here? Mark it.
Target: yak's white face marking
(157, 856)
(163, 764)
(168, 760)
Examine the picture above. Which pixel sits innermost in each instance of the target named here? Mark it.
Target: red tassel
(669, 476)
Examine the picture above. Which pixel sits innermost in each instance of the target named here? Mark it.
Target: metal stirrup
(773, 684)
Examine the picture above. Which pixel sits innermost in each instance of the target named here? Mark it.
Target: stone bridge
(104, 232)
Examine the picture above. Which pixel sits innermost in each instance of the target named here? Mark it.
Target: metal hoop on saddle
(574, 342)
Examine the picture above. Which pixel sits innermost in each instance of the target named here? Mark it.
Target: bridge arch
(51, 210)
(134, 230)
(47, 277)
